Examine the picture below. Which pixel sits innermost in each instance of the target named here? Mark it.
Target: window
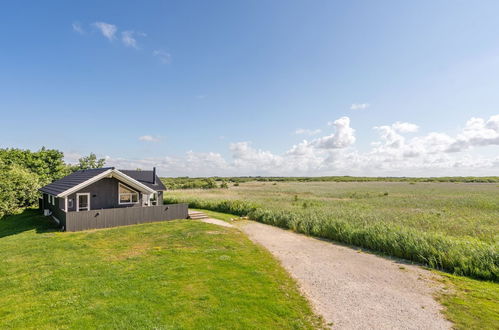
(127, 195)
(70, 203)
(83, 202)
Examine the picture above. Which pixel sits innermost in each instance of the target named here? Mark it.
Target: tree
(209, 183)
(18, 188)
(47, 164)
(224, 185)
(89, 162)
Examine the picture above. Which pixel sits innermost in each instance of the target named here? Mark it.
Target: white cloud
(149, 138)
(305, 131)
(359, 106)
(78, 28)
(392, 154)
(342, 138)
(163, 56)
(128, 39)
(477, 132)
(107, 30)
(405, 127)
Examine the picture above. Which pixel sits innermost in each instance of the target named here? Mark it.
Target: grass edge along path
(459, 256)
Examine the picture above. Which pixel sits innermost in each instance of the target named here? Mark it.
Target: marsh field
(447, 226)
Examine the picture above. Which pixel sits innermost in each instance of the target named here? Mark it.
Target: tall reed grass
(457, 255)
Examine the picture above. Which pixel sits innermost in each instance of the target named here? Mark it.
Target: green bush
(18, 189)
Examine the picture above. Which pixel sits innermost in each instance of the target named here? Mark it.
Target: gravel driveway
(352, 289)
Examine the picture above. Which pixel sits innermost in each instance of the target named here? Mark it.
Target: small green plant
(224, 185)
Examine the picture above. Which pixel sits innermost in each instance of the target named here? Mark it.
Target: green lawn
(469, 303)
(171, 275)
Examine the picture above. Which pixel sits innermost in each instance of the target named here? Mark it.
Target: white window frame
(78, 201)
(131, 199)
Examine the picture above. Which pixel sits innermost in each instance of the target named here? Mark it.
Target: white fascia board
(132, 182)
(85, 183)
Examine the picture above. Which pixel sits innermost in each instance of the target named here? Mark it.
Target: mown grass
(469, 303)
(447, 226)
(171, 275)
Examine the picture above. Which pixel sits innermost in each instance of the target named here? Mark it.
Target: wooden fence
(106, 218)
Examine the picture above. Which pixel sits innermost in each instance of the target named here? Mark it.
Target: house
(115, 197)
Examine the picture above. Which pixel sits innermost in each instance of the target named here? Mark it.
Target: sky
(288, 88)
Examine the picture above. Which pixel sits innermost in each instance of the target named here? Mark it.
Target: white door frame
(78, 201)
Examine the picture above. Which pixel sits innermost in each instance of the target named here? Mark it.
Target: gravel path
(217, 222)
(352, 289)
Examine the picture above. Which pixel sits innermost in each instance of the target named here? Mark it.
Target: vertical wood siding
(106, 218)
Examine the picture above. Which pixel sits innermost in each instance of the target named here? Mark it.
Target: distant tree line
(23, 172)
(194, 183)
(223, 182)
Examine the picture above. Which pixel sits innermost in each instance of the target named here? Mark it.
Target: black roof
(72, 180)
(146, 178)
(75, 178)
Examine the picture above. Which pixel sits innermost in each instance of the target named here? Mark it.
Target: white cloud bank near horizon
(393, 154)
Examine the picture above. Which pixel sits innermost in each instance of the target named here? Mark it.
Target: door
(83, 202)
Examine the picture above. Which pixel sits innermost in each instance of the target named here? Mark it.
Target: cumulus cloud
(359, 106)
(477, 132)
(305, 131)
(405, 127)
(395, 152)
(342, 138)
(163, 56)
(149, 138)
(107, 30)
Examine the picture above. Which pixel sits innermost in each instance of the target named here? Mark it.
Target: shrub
(18, 189)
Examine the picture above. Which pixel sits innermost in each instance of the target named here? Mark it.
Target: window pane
(125, 190)
(125, 198)
(134, 198)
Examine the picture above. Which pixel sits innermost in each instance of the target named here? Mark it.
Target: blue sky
(249, 87)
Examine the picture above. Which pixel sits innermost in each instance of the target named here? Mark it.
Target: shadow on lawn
(29, 219)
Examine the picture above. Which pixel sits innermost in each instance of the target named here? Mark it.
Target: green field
(447, 226)
(171, 275)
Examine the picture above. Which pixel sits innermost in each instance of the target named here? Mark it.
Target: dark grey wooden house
(107, 197)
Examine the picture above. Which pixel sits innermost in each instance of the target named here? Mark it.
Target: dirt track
(352, 289)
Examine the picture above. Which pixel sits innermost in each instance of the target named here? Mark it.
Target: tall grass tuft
(457, 255)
